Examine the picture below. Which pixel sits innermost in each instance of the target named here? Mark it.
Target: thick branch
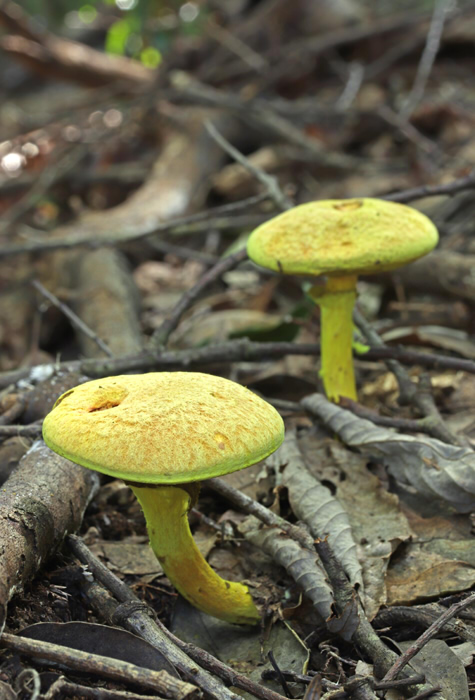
(40, 503)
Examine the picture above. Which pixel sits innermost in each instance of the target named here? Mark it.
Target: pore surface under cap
(166, 427)
(342, 235)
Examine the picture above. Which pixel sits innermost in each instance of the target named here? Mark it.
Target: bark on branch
(42, 501)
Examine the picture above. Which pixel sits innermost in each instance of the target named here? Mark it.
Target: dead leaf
(103, 640)
(241, 647)
(441, 667)
(433, 469)
(302, 564)
(222, 325)
(315, 504)
(128, 558)
(377, 523)
(430, 569)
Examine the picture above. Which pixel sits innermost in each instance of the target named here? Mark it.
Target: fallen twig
(162, 334)
(74, 318)
(448, 188)
(34, 516)
(186, 225)
(103, 666)
(426, 636)
(63, 687)
(423, 615)
(222, 353)
(269, 181)
(434, 35)
(62, 58)
(419, 396)
(135, 616)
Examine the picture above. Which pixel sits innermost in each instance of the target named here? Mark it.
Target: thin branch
(420, 425)
(408, 130)
(269, 181)
(28, 431)
(419, 395)
(64, 688)
(426, 636)
(187, 225)
(74, 318)
(434, 36)
(222, 353)
(268, 517)
(162, 334)
(169, 643)
(102, 666)
(448, 188)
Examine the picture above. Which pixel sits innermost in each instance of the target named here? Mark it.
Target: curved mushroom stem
(336, 300)
(166, 512)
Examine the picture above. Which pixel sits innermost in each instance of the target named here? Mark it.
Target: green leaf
(116, 39)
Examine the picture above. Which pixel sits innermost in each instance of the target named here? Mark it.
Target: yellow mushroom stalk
(338, 240)
(166, 512)
(337, 300)
(162, 433)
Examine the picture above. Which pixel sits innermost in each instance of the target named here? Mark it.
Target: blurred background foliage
(141, 29)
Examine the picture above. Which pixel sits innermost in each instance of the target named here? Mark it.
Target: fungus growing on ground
(162, 433)
(341, 239)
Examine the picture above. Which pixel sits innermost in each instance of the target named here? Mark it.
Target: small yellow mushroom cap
(164, 428)
(342, 236)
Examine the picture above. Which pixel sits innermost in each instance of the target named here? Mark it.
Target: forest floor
(127, 195)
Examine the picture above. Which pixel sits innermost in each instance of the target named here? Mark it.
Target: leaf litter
(395, 508)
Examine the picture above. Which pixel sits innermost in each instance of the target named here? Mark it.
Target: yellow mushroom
(341, 239)
(162, 433)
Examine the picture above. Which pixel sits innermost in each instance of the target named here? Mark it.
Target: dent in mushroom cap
(167, 427)
(342, 236)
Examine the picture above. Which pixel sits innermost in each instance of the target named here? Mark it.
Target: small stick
(426, 693)
(179, 653)
(192, 225)
(13, 412)
(249, 505)
(229, 351)
(62, 687)
(280, 675)
(419, 396)
(103, 666)
(420, 425)
(269, 181)
(32, 431)
(162, 334)
(448, 188)
(429, 633)
(431, 49)
(74, 318)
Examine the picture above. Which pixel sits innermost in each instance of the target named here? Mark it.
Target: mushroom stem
(166, 512)
(336, 301)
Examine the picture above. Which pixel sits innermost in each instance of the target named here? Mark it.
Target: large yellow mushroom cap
(167, 427)
(342, 236)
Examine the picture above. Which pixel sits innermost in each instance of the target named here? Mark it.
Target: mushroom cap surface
(342, 236)
(164, 427)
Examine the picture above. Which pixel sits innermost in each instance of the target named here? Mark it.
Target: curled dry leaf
(315, 504)
(377, 524)
(430, 467)
(301, 564)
